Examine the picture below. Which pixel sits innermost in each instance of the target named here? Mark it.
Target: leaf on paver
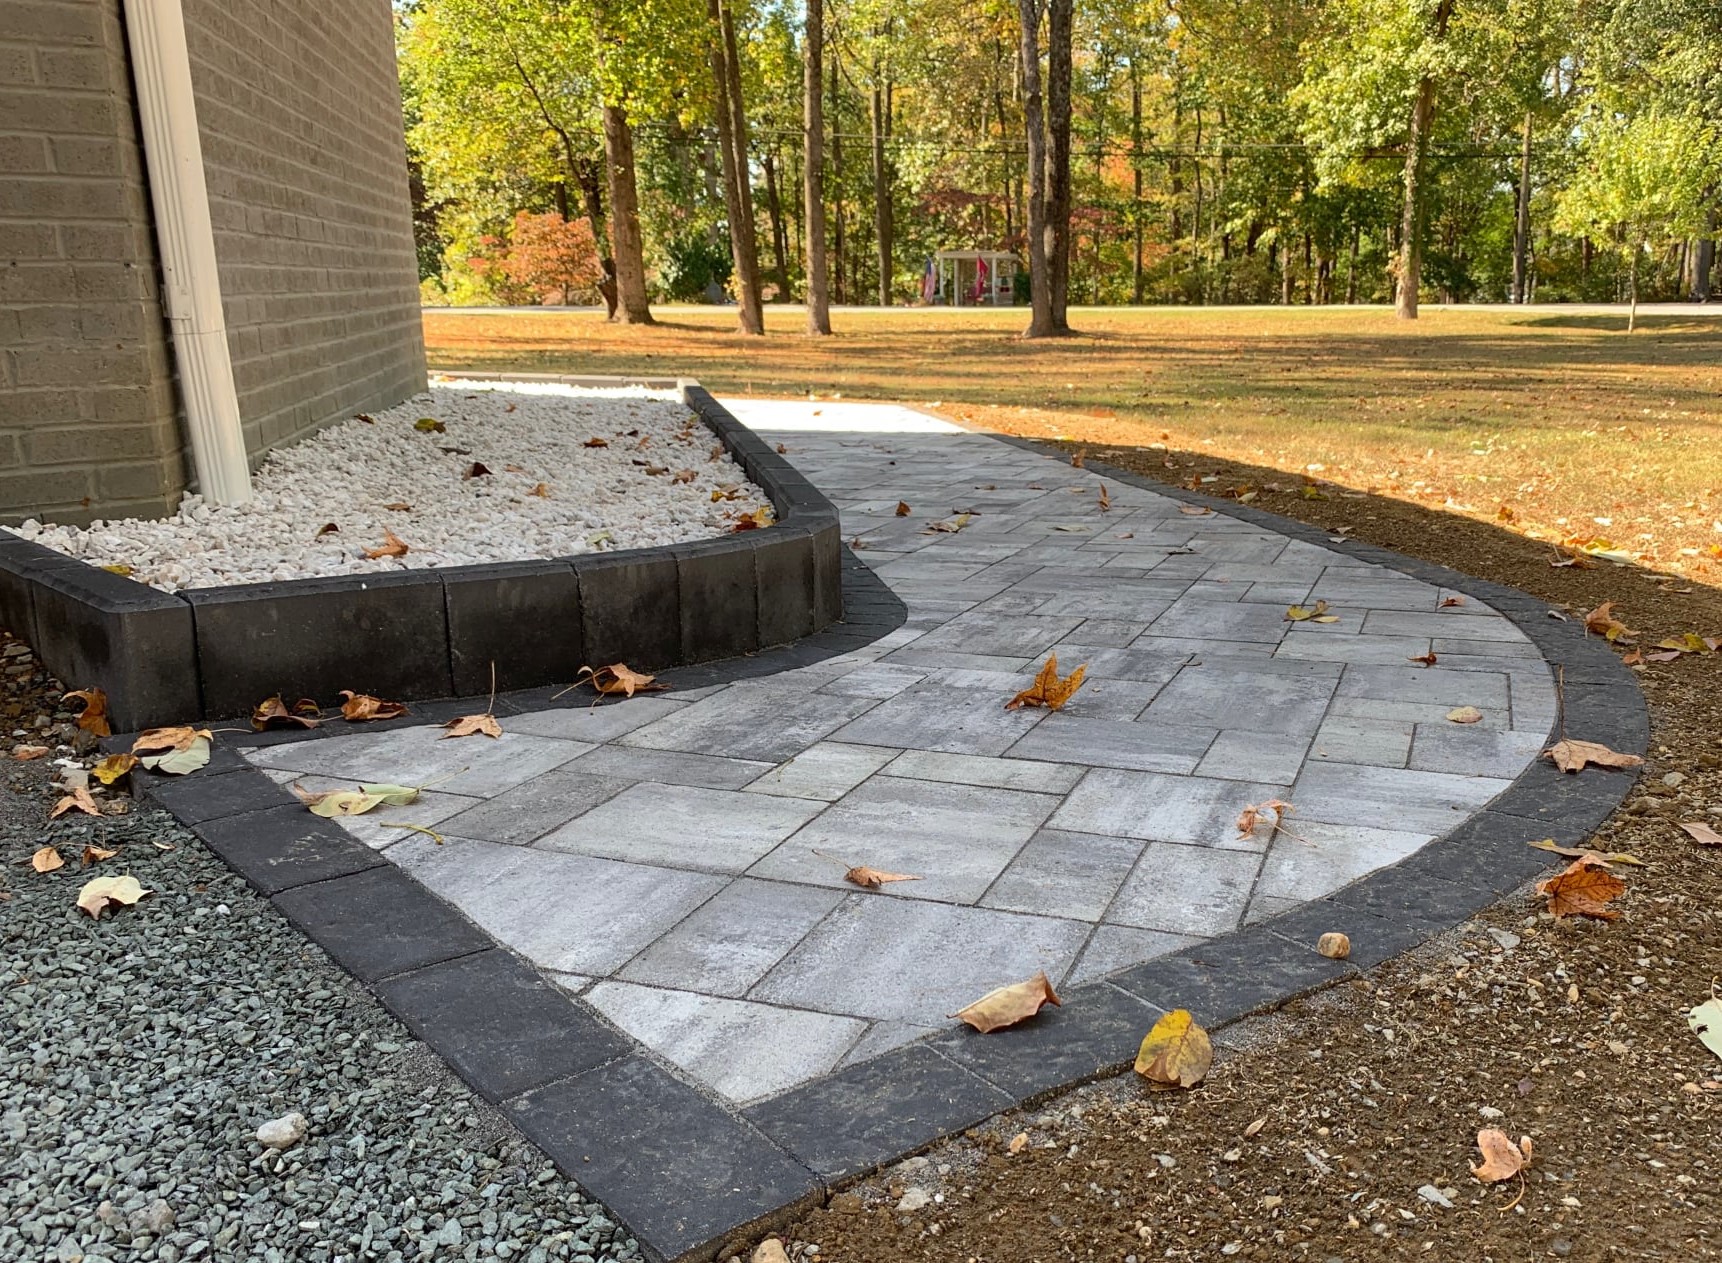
(101, 893)
(472, 726)
(1077, 457)
(362, 707)
(1009, 1005)
(46, 860)
(1048, 690)
(1427, 659)
(95, 855)
(760, 517)
(619, 678)
(541, 490)
(392, 546)
(392, 795)
(1573, 756)
(950, 526)
(1602, 622)
(1702, 833)
(1585, 852)
(1464, 715)
(1706, 1023)
(26, 753)
(1176, 1053)
(1502, 1159)
(1316, 613)
(272, 712)
(430, 425)
(78, 800)
(1105, 499)
(1451, 601)
(94, 719)
(1195, 510)
(175, 751)
(1582, 889)
(1251, 816)
(334, 803)
(113, 767)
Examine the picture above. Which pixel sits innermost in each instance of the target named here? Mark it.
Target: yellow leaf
(1009, 1005)
(113, 767)
(618, 678)
(1573, 756)
(472, 726)
(274, 713)
(362, 707)
(101, 893)
(1048, 690)
(334, 803)
(47, 860)
(1465, 715)
(1316, 613)
(393, 795)
(177, 751)
(94, 719)
(1176, 1053)
(1502, 1159)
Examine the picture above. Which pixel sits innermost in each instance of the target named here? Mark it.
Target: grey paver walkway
(678, 859)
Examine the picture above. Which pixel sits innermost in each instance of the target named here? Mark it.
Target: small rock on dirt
(769, 1251)
(915, 1199)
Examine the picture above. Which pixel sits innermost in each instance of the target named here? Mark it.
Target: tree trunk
(732, 139)
(1351, 269)
(1632, 288)
(1057, 227)
(1416, 158)
(591, 181)
(1704, 259)
(779, 239)
(1040, 323)
(1136, 277)
(882, 225)
(840, 276)
(631, 305)
(1522, 225)
(813, 168)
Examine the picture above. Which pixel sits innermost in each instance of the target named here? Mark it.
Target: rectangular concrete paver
(1186, 890)
(679, 826)
(1199, 811)
(1064, 875)
(730, 942)
(473, 766)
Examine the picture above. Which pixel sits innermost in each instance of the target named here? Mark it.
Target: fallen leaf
(595, 441)
(25, 754)
(399, 506)
(123, 571)
(682, 475)
(541, 490)
(334, 803)
(760, 517)
(113, 767)
(1706, 1023)
(1105, 499)
(79, 799)
(1334, 945)
(1255, 1127)
(478, 469)
(903, 509)
(392, 546)
(1009, 1005)
(950, 526)
(1195, 510)
(1691, 642)
(1582, 889)
(393, 795)
(1048, 690)
(430, 425)
(94, 719)
(101, 893)
(46, 860)
(1584, 852)
(1176, 1053)
(1502, 1159)
(1602, 622)
(1664, 655)
(1464, 715)
(95, 855)
(362, 707)
(272, 712)
(1572, 756)
(619, 678)
(1448, 602)
(1571, 560)
(782, 449)
(1077, 457)
(328, 528)
(1251, 816)
(1427, 659)
(1702, 833)
(176, 751)
(1636, 658)
(873, 878)
(1316, 613)
(472, 726)
(1018, 1142)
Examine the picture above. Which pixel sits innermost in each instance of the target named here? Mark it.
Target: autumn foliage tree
(553, 255)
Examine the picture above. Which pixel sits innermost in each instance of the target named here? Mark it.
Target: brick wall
(303, 154)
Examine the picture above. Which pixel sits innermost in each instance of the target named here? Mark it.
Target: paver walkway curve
(677, 860)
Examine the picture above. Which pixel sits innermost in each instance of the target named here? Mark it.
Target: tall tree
(1414, 212)
(630, 250)
(1059, 37)
(732, 141)
(879, 112)
(1041, 323)
(813, 169)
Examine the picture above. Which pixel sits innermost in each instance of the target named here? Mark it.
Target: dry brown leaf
(760, 517)
(1502, 1159)
(1571, 560)
(101, 893)
(1009, 1005)
(272, 712)
(873, 878)
(1427, 659)
(472, 726)
(683, 475)
(1572, 756)
(1105, 499)
(1582, 889)
(1602, 622)
(95, 855)
(79, 799)
(949, 526)
(1449, 602)
(1255, 1127)
(362, 707)
(1251, 816)
(328, 528)
(1048, 690)
(46, 860)
(1176, 1053)
(783, 449)
(1316, 613)
(1584, 852)
(1194, 510)
(478, 469)
(26, 753)
(399, 506)
(1702, 833)
(541, 490)
(392, 546)
(1464, 715)
(181, 737)
(94, 719)
(113, 767)
(595, 441)
(1077, 457)
(619, 678)
(1635, 658)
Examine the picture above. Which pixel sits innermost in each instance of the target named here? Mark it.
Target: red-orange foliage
(554, 256)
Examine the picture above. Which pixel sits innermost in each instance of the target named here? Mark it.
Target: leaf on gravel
(328, 528)
(541, 490)
(619, 678)
(1602, 622)
(1584, 852)
(94, 719)
(430, 425)
(680, 476)
(1316, 613)
(1571, 560)
(1251, 816)
(272, 712)
(362, 707)
(1690, 642)
(1427, 659)
(1176, 1053)
(760, 517)
(1572, 756)
(101, 893)
(26, 753)
(95, 855)
(79, 799)
(47, 860)
(950, 526)
(399, 506)
(595, 441)
(1464, 715)
(1702, 833)
(1502, 1159)
(478, 469)
(392, 546)
(1706, 1023)
(1009, 1005)
(113, 767)
(472, 726)
(1582, 889)
(1048, 690)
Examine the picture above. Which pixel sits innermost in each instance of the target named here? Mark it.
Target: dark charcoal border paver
(693, 1178)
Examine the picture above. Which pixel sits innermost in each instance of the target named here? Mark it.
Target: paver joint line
(800, 1021)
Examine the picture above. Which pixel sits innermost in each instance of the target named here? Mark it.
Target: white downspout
(161, 73)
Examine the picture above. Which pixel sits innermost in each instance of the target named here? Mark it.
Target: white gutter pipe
(167, 110)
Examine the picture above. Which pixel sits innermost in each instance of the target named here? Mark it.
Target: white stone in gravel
(914, 1199)
(596, 499)
(283, 1132)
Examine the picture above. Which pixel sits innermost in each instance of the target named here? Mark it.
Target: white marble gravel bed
(525, 434)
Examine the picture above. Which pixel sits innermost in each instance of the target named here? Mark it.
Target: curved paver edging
(215, 652)
(693, 1177)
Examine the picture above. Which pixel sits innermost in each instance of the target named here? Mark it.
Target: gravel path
(141, 1053)
(509, 476)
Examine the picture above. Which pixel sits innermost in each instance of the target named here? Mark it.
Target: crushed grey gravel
(141, 1053)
